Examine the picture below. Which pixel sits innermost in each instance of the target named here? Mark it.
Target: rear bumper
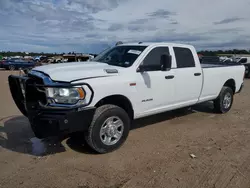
(46, 122)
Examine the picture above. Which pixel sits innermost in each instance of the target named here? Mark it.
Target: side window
(184, 57)
(153, 60)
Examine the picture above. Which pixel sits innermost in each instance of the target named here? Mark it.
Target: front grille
(36, 79)
(34, 93)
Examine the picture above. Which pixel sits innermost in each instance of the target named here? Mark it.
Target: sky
(92, 25)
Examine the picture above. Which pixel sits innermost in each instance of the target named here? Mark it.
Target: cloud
(93, 25)
(228, 20)
(139, 21)
(174, 22)
(94, 6)
(239, 43)
(161, 14)
(115, 27)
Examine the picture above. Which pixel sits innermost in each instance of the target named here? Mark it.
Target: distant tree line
(10, 54)
(204, 52)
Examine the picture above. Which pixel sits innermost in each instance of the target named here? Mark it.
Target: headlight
(65, 95)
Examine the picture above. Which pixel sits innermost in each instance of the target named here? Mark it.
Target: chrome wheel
(111, 130)
(227, 101)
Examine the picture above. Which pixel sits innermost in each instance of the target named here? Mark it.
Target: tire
(247, 72)
(248, 75)
(36, 132)
(12, 67)
(102, 115)
(224, 101)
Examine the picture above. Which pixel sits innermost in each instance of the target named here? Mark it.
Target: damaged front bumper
(47, 121)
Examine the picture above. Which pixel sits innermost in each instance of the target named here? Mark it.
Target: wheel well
(231, 83)
(118, 100)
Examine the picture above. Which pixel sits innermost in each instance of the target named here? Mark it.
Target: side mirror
(141, 68)
(166, 62)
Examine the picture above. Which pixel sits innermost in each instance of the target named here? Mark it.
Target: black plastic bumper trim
(53, 123)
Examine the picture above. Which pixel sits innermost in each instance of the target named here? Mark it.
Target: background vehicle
(209, 59)
(246, 62)
(228, 61)
(1, 63)
(129, 81)
(40, 58)
(13, 64)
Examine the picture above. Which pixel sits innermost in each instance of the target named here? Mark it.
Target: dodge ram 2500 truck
(100, 98)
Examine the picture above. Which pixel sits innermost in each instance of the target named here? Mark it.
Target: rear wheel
(224, 101)
(109, 129)
(247, 75)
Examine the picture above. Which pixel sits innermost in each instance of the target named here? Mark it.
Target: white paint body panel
(215, 78)
(74, 71)
(146, 85)
(184, 90)
(187, 86)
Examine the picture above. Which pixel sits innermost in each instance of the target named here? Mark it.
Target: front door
(155, 88)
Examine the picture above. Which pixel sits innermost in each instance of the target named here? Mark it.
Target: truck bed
(216, 74)
(218, 64)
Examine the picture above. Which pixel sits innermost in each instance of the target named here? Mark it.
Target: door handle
(197, 74)
(169, 77)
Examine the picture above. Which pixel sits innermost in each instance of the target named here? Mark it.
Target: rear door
(188, 77)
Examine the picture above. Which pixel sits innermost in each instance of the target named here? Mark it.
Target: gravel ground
(156, 153)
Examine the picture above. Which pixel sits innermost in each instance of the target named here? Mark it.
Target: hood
(68, 72)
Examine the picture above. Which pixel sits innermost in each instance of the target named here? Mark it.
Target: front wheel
(224, 101)
(36, 132)
(109, 129)
(12, 67)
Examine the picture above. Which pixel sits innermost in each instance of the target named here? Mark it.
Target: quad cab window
(184, 57)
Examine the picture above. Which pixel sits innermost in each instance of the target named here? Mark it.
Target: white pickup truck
(100, 98)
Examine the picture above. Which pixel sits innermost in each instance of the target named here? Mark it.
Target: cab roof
(155, 44)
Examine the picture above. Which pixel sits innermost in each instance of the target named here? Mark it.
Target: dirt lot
(156, 154)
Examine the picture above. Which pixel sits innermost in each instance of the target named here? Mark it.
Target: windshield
(123, 56)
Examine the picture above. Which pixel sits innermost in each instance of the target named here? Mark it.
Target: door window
(184, 57)
(152, 61)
